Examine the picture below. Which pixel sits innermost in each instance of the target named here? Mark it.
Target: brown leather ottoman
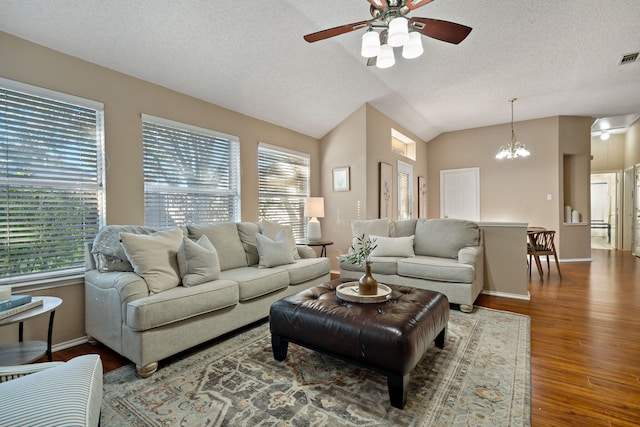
(390, 337)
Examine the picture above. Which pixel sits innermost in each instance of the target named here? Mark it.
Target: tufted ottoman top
(391, 336)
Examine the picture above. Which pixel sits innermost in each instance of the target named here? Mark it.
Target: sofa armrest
(471, 255)
(129, 286)
(306, 252)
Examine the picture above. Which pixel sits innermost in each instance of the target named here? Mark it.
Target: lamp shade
(314, 207)
(413, 48)
(386, 58)
(398, 31)
(370, 44)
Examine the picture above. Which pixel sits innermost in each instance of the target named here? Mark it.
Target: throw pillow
(108, 251)
(393, 246)
(198, 261)
(273, 252)
(154, 257)
(271, 229)
(247, 232)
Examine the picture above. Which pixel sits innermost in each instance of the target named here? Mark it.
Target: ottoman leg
(439, 341)
(398, 385)
(279, 346)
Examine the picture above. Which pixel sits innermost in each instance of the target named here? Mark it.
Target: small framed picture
(341, 179)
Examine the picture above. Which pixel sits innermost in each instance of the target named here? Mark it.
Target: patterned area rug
(480, 378)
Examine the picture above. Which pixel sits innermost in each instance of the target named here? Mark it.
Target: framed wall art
(386, 190)
(422, 197)
(341, 179)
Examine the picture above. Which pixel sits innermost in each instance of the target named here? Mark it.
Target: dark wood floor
(585, 342)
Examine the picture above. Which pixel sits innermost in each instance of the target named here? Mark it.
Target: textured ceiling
(558, 57)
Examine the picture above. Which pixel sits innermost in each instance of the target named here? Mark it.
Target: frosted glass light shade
(413, 48)
(398, 31)
(370, 44)
(385, 58)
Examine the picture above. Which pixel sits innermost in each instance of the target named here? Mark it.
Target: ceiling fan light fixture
(385, 58)
(413, 48)
(398, 31)
(370, 44)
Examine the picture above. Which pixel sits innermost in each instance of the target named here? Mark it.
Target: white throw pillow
(273, 252)
(154, 257)
(393, 246)
(271, 229)
(198, 261)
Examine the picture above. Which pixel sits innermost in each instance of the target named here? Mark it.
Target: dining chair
(541, 244)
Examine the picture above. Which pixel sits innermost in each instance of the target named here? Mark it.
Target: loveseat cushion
(445, 237)
(306, 269)
(379, 265)
(225, 238)
(433, 268)
(376, 227)
(254, 282)
(180, 303)
(403, 228)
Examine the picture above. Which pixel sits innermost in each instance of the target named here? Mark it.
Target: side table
(323, 243)
(28, 351)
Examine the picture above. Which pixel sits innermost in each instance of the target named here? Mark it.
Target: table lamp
(314, 208)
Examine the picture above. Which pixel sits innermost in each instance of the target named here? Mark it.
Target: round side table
(323, 243)
(28, 351)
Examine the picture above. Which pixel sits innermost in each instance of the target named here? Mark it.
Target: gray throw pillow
(155, 257)
(224, 236)
(393, 246)
(198, 261)
(273, 252)
(271, 229)
(247, 232)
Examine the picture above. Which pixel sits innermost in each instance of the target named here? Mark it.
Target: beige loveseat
(444, 255)
(190, 284)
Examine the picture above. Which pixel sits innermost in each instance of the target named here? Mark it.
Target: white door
(636, 212)
(460, 193)
(627, 208)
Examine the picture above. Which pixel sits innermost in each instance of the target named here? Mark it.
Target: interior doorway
(605, 201)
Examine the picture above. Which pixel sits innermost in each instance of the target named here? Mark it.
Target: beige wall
(516, 190)
(361, 142)
(632, 146)
(608, 155)
(125, 98)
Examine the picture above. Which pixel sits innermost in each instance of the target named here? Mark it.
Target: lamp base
(314, 233)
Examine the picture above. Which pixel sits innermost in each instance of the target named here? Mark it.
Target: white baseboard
(526, 297)
(576, 260)
(69, 344)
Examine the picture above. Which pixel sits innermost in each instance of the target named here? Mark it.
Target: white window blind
(283, 185)
(191, 174)
(51, 181)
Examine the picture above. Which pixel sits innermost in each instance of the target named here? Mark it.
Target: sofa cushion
(225, 238)
(198, 261)
(271, 229)
(107, 250)
(306, 269)
(254, 282)
(273, 253)
(445, 237)
(434, 268)
(247, 232)
(155, 257)
(379, 265)
(377, 227)
(180, 303)
(392, 246)
(403, 228)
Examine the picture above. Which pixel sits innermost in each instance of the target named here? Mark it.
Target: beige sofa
(186, 288)
(444, 255)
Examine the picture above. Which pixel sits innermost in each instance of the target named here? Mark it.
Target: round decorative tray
(349, 292)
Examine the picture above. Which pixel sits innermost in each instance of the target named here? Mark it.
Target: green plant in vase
(360, 254)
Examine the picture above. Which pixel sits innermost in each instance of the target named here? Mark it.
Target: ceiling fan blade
(380, 4)
(446, 31)
(414, 4)
(336, 31)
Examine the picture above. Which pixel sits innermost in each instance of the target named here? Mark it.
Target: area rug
(480, 378)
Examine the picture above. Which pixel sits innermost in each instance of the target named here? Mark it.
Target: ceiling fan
(397, 30)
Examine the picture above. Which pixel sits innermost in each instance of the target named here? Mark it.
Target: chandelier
(514, 149)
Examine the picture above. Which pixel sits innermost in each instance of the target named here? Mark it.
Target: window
(283, 186)
(191, 174)
(405, 190)
(51, 181)
(403, 145)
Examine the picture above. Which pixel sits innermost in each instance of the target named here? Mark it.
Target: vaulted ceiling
(556, 57)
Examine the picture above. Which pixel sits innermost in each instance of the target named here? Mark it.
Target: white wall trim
(575, 259)
(69, 344)
(526, 297)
